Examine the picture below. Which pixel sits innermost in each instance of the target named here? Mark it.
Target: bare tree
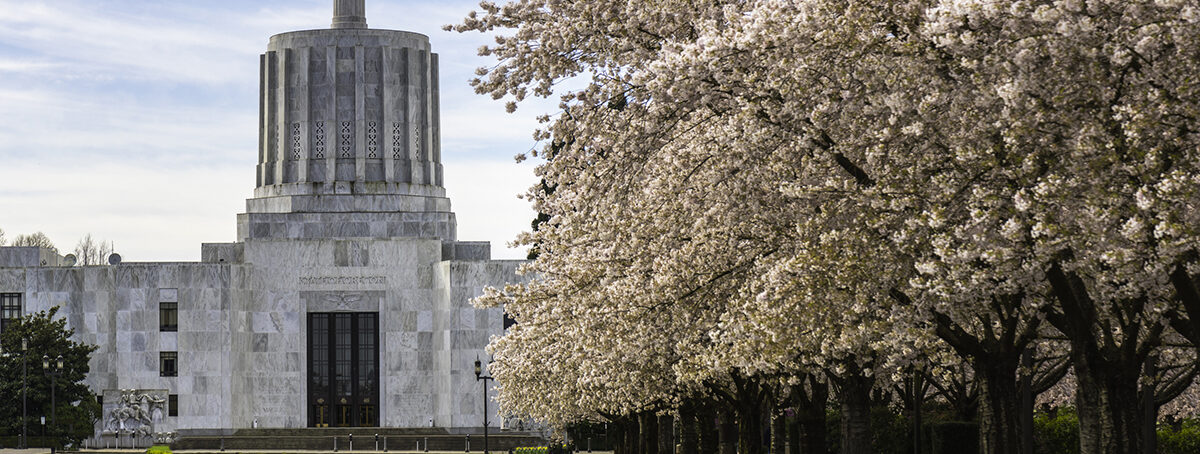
(92, 252)
(37, 239)
(2, 239)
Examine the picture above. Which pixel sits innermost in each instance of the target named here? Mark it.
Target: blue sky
(136, 120)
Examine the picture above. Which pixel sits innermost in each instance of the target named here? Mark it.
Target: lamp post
(24, 395)
(484, 378)
(53, 370)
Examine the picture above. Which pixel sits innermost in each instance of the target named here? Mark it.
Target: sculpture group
(135, 413)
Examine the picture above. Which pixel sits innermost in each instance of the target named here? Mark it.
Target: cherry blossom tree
(1099, 120)
(785, 187)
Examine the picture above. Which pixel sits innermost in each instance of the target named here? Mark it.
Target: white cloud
(26, 66)
(151, 213)
(137, 121)
(485, 199)
(92, 126)
(155, 213)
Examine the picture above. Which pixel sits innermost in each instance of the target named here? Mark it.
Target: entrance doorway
(343, 369)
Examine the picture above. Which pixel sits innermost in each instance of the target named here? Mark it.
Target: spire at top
(349, 14)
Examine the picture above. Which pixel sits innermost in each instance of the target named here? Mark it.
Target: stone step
(342, 431)
(323, 440)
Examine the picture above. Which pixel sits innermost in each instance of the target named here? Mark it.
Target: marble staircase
(356, 439)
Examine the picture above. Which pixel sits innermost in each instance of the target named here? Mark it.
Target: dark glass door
(343, 369)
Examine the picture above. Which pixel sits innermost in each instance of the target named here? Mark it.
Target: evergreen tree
(77, 410)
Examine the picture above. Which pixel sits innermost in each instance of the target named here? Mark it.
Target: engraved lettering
(343, 280)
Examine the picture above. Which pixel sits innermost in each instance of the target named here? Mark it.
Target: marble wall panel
(12, 280)
(466, 319)
(168, 276)
(424, 321)
(400, 341)
(266, 322)
(467, 339)
(425, 361)
(168, 341)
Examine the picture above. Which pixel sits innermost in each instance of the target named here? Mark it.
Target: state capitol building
(344, 301)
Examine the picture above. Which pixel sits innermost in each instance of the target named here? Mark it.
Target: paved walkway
(203, 451)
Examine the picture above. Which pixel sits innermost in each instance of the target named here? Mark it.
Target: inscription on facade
(343, 280)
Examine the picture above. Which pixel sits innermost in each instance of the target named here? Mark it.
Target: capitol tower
(349, 135)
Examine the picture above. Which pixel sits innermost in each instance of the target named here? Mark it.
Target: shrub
(954, 437)
(1056, 432)
(159, 449)
(1185, 440)
(890, 432)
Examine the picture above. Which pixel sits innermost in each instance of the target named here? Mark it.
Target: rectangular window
(173, 405)
(168, 364)
(168, 317)
(10, 309)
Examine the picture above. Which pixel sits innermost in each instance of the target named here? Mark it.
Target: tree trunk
(624, 436)
(810, 418)
(997, 404)
(916, 407)
(666, 434)
(1025, 391)
(856, 413)
(615, 435)
(729, 434)
(631, 434)
(707, 431)
(689, 442)
(778, 433)
(1110, 420)
(966, 408)
(1149, 408)
(1106, 369)
(648, 427)
(793, 434)
(750, 428)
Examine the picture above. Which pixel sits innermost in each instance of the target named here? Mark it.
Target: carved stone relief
(136, 412)
(342, 301)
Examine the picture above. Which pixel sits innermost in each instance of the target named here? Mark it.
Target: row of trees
(756, 203)
(88, 251)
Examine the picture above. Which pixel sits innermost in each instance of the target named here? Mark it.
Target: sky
(136, 120)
